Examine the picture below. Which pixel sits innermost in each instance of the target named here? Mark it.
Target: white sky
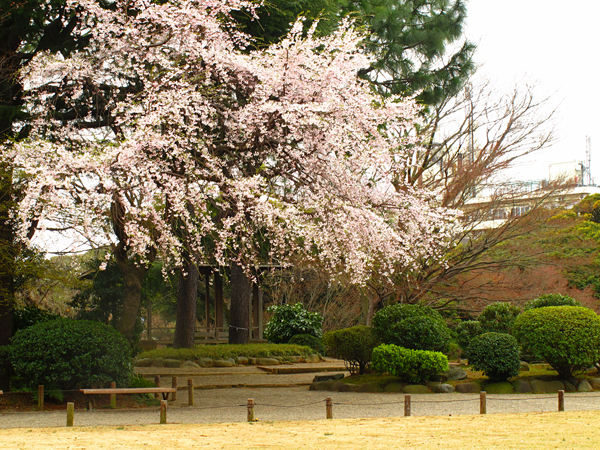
(555, 44)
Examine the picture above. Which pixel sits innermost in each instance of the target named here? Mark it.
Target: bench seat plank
(156, 390)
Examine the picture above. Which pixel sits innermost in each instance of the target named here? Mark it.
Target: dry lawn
(566, 430)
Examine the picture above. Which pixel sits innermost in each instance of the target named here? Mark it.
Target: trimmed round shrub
(412, 366)
(496, 355)
(465, 332)
(385, 321)
(498, 317)
(566, 337)
(308, 340)
(421, 333)
(68, 354)
(551, 300)
(354, 345)
(290, 320)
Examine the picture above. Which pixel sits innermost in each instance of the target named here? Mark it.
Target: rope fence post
(113, 397)
(250, 410)
(482, 402)
(163, 411)
(40, 397)
(407, 405)
(190, 392)
(561, 400)
(174, 386)
(157, 383)
(329, 408)
(70, 413)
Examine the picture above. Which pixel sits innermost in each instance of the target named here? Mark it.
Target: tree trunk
(241, 295)
(133, 276)
(187, 300)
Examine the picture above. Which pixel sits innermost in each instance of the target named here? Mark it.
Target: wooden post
(561, 400)
(70, 413)
(329, 408)
(40, 397)
(407, 405)
(174, 386)
(113, 397)
(482, 403)
(190, 392)
(250, 410)
(157, 383)
(163, 411)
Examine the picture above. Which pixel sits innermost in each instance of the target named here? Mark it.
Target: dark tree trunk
(187, 301)
(241, 295)
(133, 277)
(8, 253)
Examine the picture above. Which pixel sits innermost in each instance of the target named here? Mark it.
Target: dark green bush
(290, 320)
(496, 354)
(413, 366)
(567, 337)
(465, 332)
(308, 340)
(551, 300)
(385, 320)
(68, 354)
(6, 370)
(498, 317)
(354, 345)
(421, 333)
(30, 315)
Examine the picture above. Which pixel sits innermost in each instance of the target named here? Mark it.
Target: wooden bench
(165, 391)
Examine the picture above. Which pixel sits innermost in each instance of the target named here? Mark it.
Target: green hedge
(496, 354)
(290, 320)
(422, 333)
(465, 332)
(567, 337)
(68, 354)
(551, 300)
(402, 325)
(308, 340)
(498, 317)
(413, 366)
(354, 345)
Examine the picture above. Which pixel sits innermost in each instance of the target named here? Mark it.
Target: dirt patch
(580, 430)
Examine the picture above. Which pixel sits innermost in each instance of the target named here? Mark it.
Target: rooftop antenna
(588, 159)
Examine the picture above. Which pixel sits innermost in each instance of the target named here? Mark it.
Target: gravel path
(298, 403)
(286, 397)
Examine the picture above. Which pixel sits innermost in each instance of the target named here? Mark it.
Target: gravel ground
(286, 397)
(298, 403)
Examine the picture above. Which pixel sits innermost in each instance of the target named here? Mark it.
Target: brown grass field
(565, 430)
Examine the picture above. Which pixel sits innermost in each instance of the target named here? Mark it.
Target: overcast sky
(555, 44)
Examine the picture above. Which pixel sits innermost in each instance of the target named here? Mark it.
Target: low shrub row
(412, 366)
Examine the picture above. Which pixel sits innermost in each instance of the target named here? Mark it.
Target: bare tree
(469, 143)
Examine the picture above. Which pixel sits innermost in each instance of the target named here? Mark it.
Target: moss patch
(226, 351)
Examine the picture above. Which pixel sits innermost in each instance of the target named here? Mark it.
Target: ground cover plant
(228, 351)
